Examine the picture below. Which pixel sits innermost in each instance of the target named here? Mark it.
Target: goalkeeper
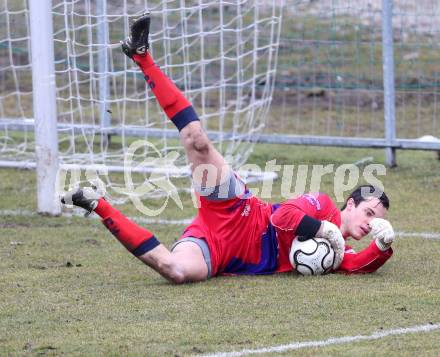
(234, 231)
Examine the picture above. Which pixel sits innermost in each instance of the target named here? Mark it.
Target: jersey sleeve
(303, 215)
(366, 261)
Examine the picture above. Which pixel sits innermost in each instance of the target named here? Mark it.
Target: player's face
(359, 216)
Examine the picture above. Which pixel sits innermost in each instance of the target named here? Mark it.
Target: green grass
(68, 287)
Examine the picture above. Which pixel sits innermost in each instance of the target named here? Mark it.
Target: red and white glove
(332, 233)
(382, 232)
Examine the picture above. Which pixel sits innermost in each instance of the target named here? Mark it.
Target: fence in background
(358, 74)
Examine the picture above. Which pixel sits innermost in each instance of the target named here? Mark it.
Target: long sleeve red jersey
(291, 214)
(246, 235)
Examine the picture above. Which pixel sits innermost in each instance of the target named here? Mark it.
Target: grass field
(68, 287)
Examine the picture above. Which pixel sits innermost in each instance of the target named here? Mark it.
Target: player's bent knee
(182, 274)
(196, 141)
(177, 278)
(178, 275)
(192, 258)
(171, 271)
(201, 145)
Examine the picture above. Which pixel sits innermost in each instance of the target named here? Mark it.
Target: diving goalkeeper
(235, 232)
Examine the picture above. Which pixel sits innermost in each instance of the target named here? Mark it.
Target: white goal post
(45, 112)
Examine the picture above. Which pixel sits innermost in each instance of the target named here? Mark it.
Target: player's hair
(366, 191)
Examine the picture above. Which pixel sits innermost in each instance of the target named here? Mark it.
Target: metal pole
(102, 35)
(388, 81)
(45, 111)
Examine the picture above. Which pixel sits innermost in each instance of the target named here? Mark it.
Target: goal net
(221, 54)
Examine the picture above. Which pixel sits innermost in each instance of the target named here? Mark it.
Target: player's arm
(307, 217)
(298, 215)
(375, 255)
(304, 215)
(366, 261)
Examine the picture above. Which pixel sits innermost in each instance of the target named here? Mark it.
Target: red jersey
(246, 235)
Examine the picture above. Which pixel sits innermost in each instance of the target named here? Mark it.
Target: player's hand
(382, 232)
(332, 233)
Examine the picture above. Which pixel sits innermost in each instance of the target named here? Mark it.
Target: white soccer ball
(314, 256)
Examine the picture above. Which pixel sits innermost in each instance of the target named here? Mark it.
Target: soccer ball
(313, 256)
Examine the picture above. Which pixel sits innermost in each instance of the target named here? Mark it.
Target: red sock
(136, 239)
(170, 98)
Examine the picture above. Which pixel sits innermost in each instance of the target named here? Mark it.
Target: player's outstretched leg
(179, 110)
(136, 46)
(176, 267)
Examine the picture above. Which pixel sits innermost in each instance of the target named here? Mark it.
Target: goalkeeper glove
(382, 232)
(332, 233)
